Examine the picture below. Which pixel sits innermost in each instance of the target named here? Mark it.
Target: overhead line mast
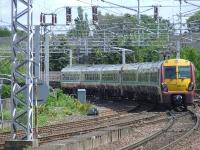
(138, 19)
(22, 82)
(180, 33)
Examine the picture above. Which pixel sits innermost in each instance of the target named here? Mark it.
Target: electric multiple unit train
(170, 82)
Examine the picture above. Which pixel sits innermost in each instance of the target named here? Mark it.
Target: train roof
(78, 68)
(131, 66)
(114, 67)
(174, 62)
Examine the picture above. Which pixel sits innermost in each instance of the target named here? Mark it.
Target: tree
(5, 69)
(59, 60)
(193, 55)
(193, 22)
(81, 25)
(120, 31)
(118, 25)
(96, 57)
(4, 32)
(5, 66)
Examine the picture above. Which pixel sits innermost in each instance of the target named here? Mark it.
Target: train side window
(89, 77)
(109, 77)
(170, 72)
(129, 76)
(143, 76)
(153, 76)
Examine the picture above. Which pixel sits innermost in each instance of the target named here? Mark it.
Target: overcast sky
(168, 10)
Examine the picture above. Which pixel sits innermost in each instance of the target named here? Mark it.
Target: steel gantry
(22, 69)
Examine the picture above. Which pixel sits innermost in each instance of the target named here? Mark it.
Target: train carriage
(177, 82)
(71, 77)
(169, 82)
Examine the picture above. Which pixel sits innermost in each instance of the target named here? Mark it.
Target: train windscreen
(183, 72)
(170, 72)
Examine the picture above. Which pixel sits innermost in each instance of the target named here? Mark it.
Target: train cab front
(177, 83)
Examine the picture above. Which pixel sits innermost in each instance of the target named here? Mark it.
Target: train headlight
(190, 86)
(164, 87)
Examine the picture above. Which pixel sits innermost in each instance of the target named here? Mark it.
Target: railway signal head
(68, 15)
(155, 12)
(48, 19)
(94, 14)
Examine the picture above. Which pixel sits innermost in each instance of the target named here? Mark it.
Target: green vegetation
(6, 115)
(193, 55)
(6, 91)
(57, 61)
(113, 24)
(5, 67)
(139, 54)
(193, 22)
(4, 32)
(81, 24)
(28, 148)
(56, 108)
(59, 106)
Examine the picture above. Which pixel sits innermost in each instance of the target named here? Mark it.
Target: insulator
(155, 12)
(94, 18)
(43, 18)
(68, 15)
(94, 14)
(94, 9)
(68, 10)
(55, 19)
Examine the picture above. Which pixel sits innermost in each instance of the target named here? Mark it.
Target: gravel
(139, 134)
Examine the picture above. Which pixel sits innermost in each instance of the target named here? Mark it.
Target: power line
(191, 3)
(98, 6)
(8, 23)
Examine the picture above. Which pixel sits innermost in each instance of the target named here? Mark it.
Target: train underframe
(178, 99)
(139, 92)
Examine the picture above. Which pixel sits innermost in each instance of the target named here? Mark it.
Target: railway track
(179, 126)
(197, 91)
(93, 126)
(108, 119)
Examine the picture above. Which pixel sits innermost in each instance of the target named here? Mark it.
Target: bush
(193, 55)
(6, 90)
(4, 32)
(6, 115)
(59, 105)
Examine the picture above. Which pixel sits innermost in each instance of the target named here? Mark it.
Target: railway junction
(99, 75)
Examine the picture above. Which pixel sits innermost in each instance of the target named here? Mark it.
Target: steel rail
(170, 123)
(54, 135)
(66, 135)
(135, 145)
(186, 134)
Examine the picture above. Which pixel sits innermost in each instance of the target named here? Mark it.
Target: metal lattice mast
(180, 34)
(139, 22)
(22, 69)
